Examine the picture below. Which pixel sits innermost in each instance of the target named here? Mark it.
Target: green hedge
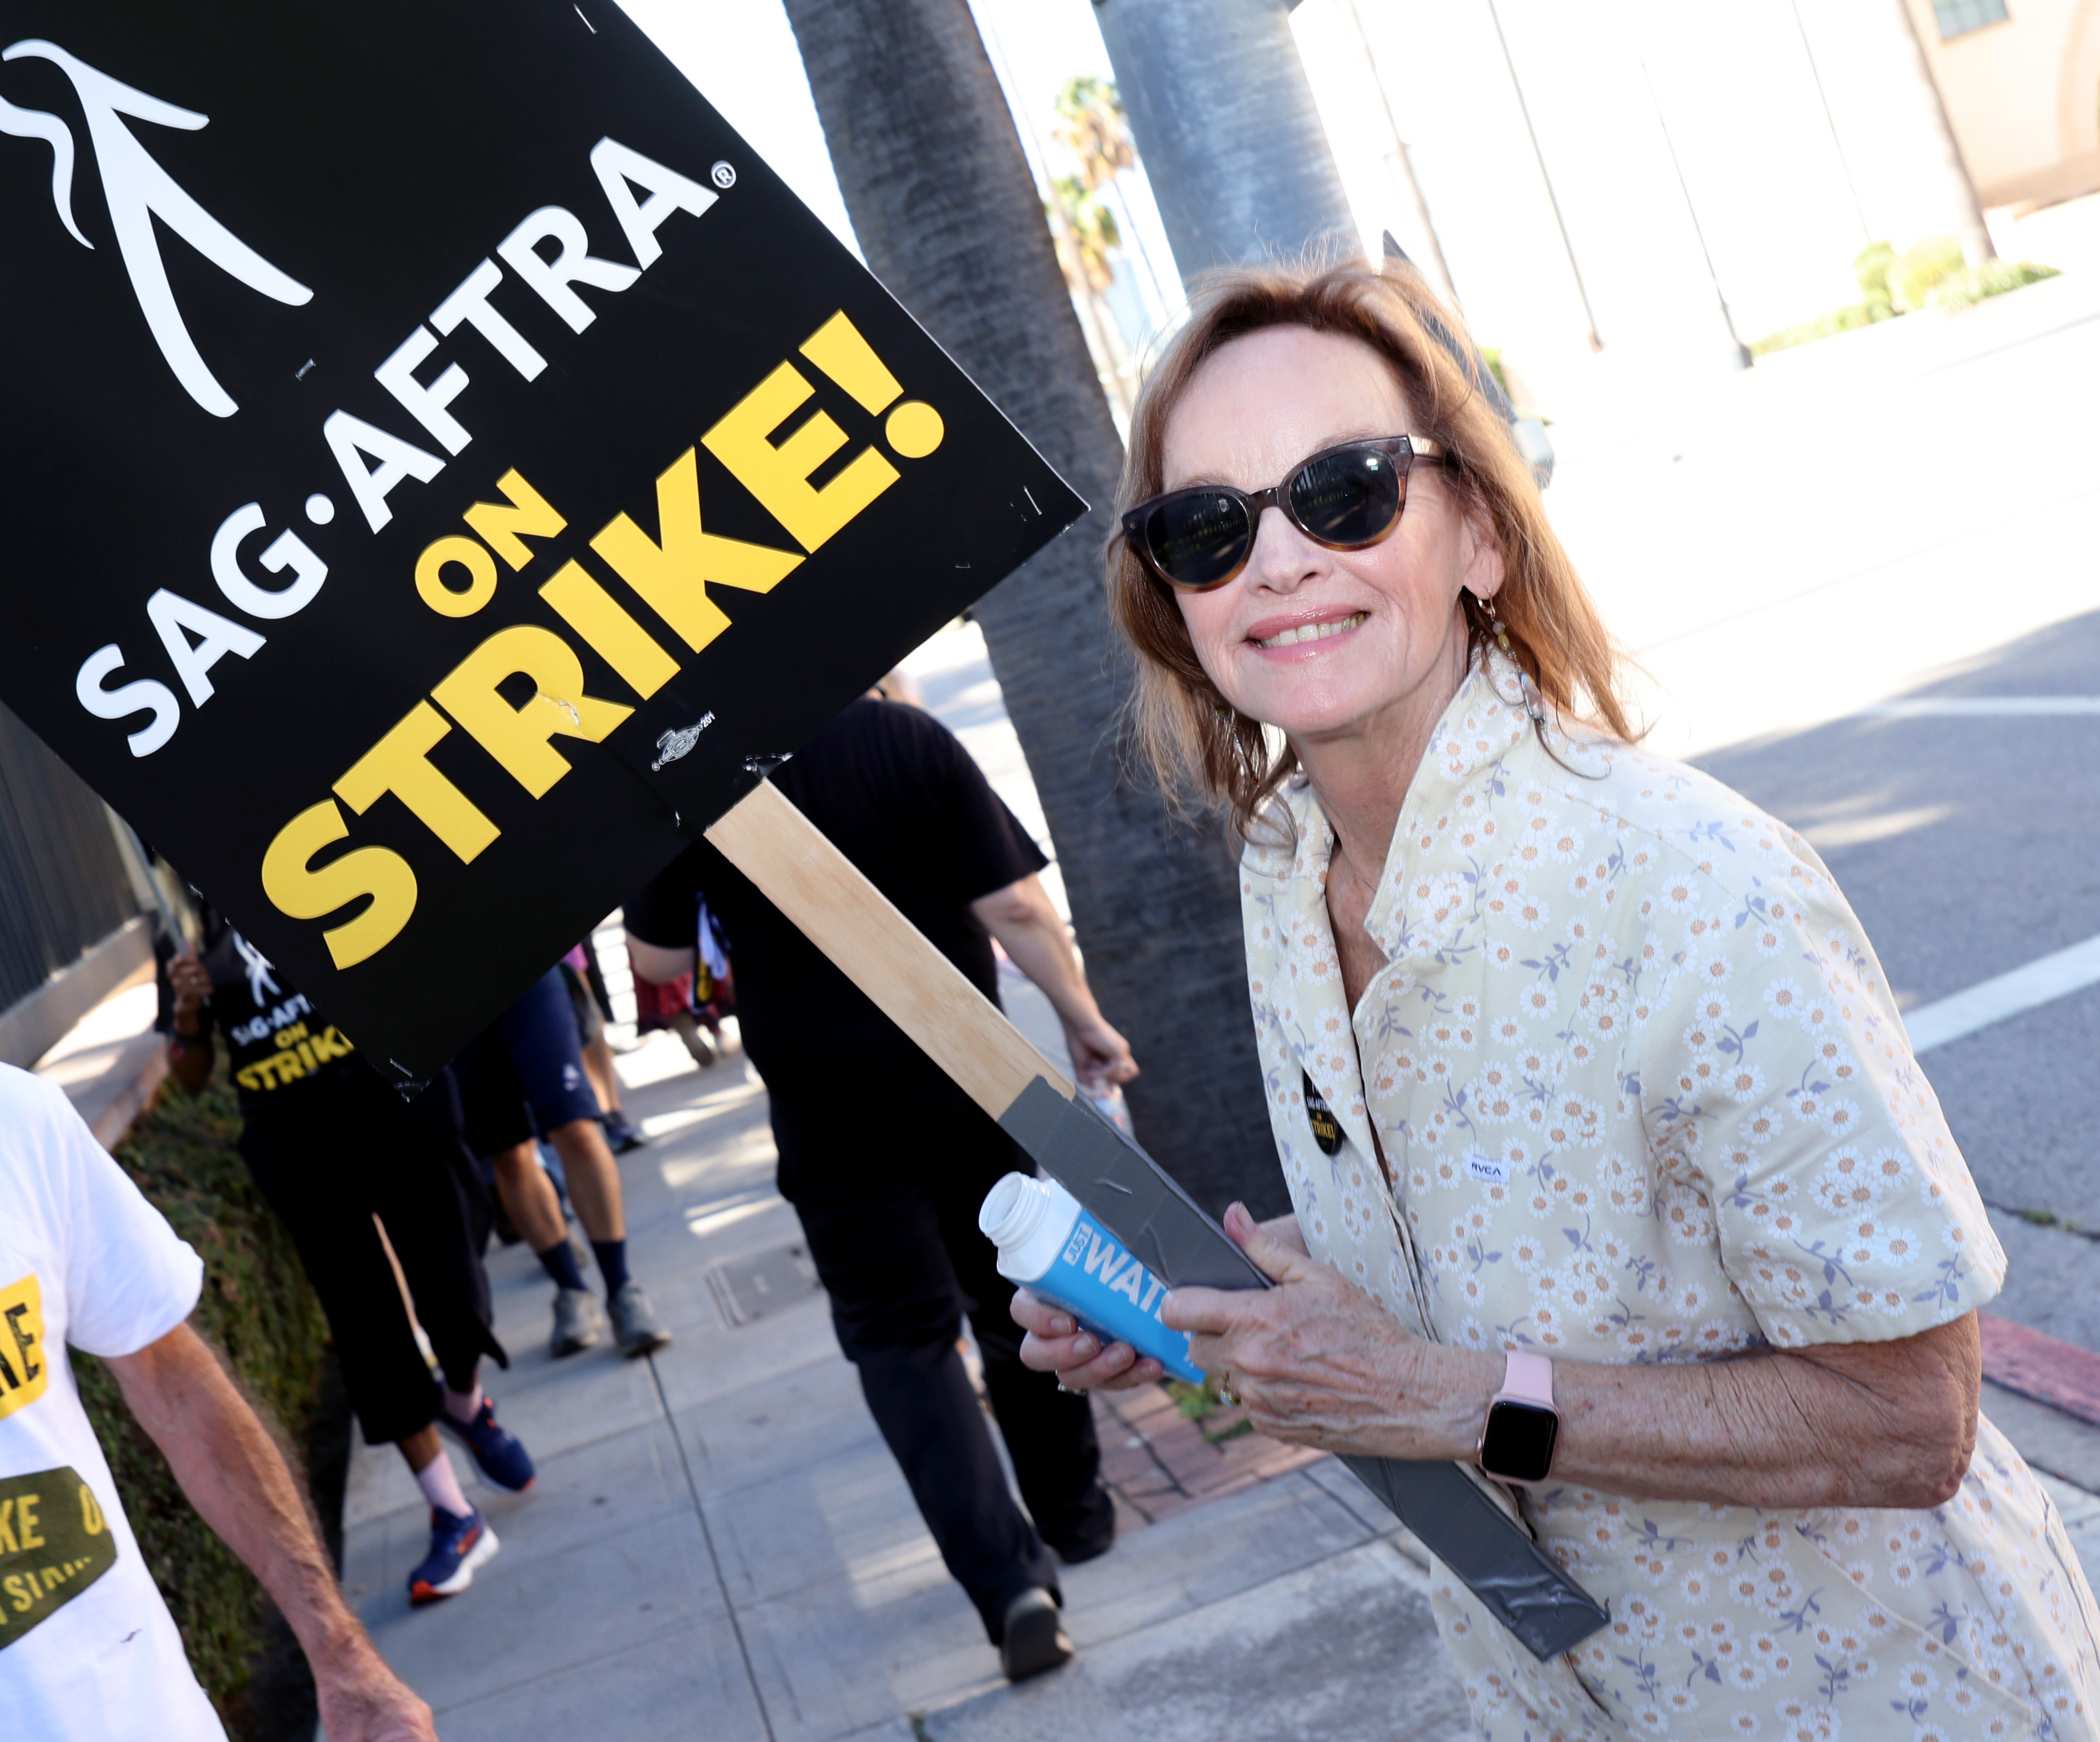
(1930, 275)
(259, 1309)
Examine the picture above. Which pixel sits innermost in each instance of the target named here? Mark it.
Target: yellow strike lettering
(301, 891)
(25, 1520)
(610, 633)
(91, 1519)
(448, 600)
(528, 513)
(288, 1067)
(518, 737)
(330, 1044)
(17, 1593)
(306, 1057)
(672, 577)
(779, 476)
(400, 763)
(8, 1543)
(837, 348)
(250, 1077)
(22, 1316)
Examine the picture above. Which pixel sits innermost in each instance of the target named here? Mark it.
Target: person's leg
(424, 1190)
(499, 1128)
(621, 1133)
(310, 1166)
(528, 1195)
(540, 1038)
(897, 1313)
(1049, 1433)
(593, 1179)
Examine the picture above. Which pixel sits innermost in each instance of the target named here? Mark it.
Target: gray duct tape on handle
(1134, 1199)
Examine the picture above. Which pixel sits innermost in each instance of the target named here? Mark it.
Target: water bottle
(1048, 1243)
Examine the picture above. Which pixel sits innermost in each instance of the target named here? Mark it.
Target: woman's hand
(1056, 1344)
(1317, 1362)
(191, 985)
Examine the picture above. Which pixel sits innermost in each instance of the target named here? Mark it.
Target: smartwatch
(1516, 1445)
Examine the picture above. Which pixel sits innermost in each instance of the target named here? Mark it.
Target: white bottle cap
(1012, 1210)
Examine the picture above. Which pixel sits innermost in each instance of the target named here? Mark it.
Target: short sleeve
(1781, 1092)
(129, 1279)
(984, 846)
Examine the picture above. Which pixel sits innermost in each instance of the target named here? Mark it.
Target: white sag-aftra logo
(137, 190)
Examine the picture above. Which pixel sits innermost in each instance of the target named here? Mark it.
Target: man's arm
(189, 1043)
(236, 1479)
(1028, 928)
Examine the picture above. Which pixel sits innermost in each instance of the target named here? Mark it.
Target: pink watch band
(1526, 1378)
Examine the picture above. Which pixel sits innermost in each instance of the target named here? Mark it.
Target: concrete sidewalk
(720, 1545)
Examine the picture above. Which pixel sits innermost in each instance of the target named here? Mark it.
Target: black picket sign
(439, 460)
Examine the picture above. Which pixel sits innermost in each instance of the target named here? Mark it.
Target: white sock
(440, 1486)
(462, 1406)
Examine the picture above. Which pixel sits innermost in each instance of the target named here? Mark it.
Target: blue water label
(1107, 1290)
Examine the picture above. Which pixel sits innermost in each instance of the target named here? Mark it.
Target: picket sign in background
(339, 341)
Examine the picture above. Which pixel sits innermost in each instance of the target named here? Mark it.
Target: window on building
(1957, 18)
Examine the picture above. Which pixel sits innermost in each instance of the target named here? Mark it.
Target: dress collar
(1457, 774)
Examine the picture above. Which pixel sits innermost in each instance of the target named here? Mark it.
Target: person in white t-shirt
(88, 1650)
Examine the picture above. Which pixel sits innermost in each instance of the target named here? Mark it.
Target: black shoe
(1033, 1638)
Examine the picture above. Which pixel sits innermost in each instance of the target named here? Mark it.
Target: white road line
(2053, 976)
(1980, 707)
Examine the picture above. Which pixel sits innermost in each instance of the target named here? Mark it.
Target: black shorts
(523, 1078)
(329, 1159)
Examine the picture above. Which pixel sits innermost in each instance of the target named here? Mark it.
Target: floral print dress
(1644, 1097)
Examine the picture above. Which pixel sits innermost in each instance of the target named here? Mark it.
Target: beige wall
(2024, 98)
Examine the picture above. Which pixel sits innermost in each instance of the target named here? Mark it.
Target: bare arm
(234, 1475)
(1319, 1363)
(189, 1046)
(1029, 929)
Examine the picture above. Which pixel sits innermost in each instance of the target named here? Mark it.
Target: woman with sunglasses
(1613, 1173)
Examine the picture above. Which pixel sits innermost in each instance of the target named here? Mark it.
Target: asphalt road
(1967, 846)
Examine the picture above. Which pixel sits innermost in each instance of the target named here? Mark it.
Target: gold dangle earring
(1533, 704)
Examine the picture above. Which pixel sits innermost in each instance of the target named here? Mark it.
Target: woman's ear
(1481, 558)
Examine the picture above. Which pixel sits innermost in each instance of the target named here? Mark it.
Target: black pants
(888, 1188)
(329, 1158)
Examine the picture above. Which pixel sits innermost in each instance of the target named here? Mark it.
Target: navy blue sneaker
(458, 1547)
(498, 1454)
(620, 1136)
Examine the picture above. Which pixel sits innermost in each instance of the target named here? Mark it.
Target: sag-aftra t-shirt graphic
(87, 1649)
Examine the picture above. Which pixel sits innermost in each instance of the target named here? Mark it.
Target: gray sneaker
(578, 1323)
(635, 1326)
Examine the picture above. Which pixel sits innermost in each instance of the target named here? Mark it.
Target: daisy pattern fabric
(1645, 1097)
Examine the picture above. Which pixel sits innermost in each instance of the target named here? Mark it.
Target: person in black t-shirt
(887, 1162)
(331, 1146)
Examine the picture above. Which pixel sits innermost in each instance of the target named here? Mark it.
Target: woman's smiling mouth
(1301, 632)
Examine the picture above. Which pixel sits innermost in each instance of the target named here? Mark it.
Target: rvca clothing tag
(1487, 1167)
(1327, 1128)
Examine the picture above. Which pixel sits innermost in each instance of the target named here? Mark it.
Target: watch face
(1518, 1446)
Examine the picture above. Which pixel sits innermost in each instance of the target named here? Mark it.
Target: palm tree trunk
(1226, 127)
(947, 215)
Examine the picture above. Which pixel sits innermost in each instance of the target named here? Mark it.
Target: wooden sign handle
(795, 866)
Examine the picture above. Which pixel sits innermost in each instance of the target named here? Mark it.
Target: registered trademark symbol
(723, 175)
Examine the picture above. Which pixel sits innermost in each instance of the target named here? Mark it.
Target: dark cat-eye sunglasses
(1346, 497)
